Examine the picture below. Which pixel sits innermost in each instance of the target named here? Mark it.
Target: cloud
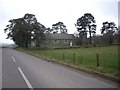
(49, 12)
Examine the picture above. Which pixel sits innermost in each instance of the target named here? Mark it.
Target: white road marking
(25, 78)
(13, 58)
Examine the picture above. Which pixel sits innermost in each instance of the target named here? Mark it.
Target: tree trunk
(90, 33)
(90, 37)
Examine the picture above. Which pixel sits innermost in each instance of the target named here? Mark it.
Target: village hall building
(55, 40)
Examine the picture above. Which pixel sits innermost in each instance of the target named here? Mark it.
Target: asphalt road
(20, 70)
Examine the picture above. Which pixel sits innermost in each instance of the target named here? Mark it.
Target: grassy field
(84, 57)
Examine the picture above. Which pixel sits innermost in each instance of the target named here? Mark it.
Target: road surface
(20, 70)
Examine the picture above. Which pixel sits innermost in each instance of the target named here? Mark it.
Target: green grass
(84, 57)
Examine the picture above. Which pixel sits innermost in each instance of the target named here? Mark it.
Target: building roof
(59, 36)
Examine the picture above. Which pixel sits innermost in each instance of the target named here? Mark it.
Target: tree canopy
(23, 30)
(59, 27)
(86, 24)
(108, 29)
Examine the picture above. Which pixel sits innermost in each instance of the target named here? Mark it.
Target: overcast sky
(49, 12)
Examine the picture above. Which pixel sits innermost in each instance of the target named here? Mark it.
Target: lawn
(84, 57)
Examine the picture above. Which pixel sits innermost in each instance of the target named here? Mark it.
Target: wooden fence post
(81, 59)
(63, 57)
(97, 61)
(74, 57)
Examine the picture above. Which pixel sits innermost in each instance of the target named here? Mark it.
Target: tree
(48, 30)
(108, 29)
(23, 30)
(55, 28)
(17, 32)
(119, 35)
(38, 33)
(59, 27)
(86, 24)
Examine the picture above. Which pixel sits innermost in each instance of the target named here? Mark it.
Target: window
(65, 41)
(56, 41)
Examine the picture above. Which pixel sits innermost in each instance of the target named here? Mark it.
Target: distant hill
(0, 44)
(7, 45)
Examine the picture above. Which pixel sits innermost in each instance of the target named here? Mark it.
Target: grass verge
(83, 58)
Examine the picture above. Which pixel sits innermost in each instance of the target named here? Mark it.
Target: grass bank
(107, 57)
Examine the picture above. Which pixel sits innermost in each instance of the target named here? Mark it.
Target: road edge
(102, 75)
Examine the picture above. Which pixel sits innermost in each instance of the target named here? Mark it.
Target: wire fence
(102, 61)
(97, 62)
(80, 60)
